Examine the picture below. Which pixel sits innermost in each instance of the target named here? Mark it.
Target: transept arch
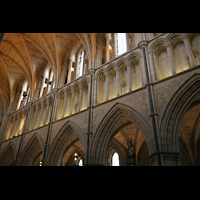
(105, 130)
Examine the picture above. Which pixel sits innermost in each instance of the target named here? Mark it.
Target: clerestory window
(121, 46)
(80, 64)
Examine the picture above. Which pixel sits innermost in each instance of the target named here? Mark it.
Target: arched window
(115, 159)
(24, 95)
(120, 43)
(196, 57)
(80, 162)
(47, 82)
(80, 64)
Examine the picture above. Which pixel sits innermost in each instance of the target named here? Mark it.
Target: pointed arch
(84, 37)
(8, 155)
(174, 112)
(105, 130)
(60, 142)
(32, 149)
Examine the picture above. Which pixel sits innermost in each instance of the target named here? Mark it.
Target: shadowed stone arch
(8, 155)
(31, 150)
(59, 144)
(176, 108)
(105, 130)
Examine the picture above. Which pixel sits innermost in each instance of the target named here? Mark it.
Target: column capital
(184, 36)
(92, 70)
(55, 90)
(142, 44)
(167, 45)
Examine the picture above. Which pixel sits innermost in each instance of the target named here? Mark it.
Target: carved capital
(142, 44)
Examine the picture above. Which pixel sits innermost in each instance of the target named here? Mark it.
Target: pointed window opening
(121, 46)
(115, 159)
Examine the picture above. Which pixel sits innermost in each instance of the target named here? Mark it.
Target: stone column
(40, 116)
(17, 125)
(46, 113)
(107, 86)
(69, 71)
(189, 50)
(41, 89)
(27, 125)
(4, 128)
(72, 103)
(88, 97)
(13, 126)
(167, 158)
(65, 103)
(144, 81)
(129, 77)
(117, 82)
(19, 102)
(95, 90)
(156, 67)
(127, 42)
(35, 117)
(80, 97)
(99, 62)
(107, 47)
(172, 64)
(97, 82)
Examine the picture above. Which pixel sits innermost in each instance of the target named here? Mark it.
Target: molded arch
(132, 55)
(153, 46)
(171, 35)
(6, 155)
(105, 130)
(85, 79)
(57, 148)
(174, 112)
(110, 66)
(99, 72)
(120, 61)
(34, 146)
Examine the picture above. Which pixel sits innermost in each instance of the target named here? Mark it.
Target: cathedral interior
(99, 99)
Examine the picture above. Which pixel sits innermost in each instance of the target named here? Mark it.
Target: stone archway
(110, 123)
(31, 151)
(69, 136)
(173, 115)
(8, 156)
(129, 143)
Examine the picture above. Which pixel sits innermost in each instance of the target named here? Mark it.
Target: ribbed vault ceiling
(25, 55)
